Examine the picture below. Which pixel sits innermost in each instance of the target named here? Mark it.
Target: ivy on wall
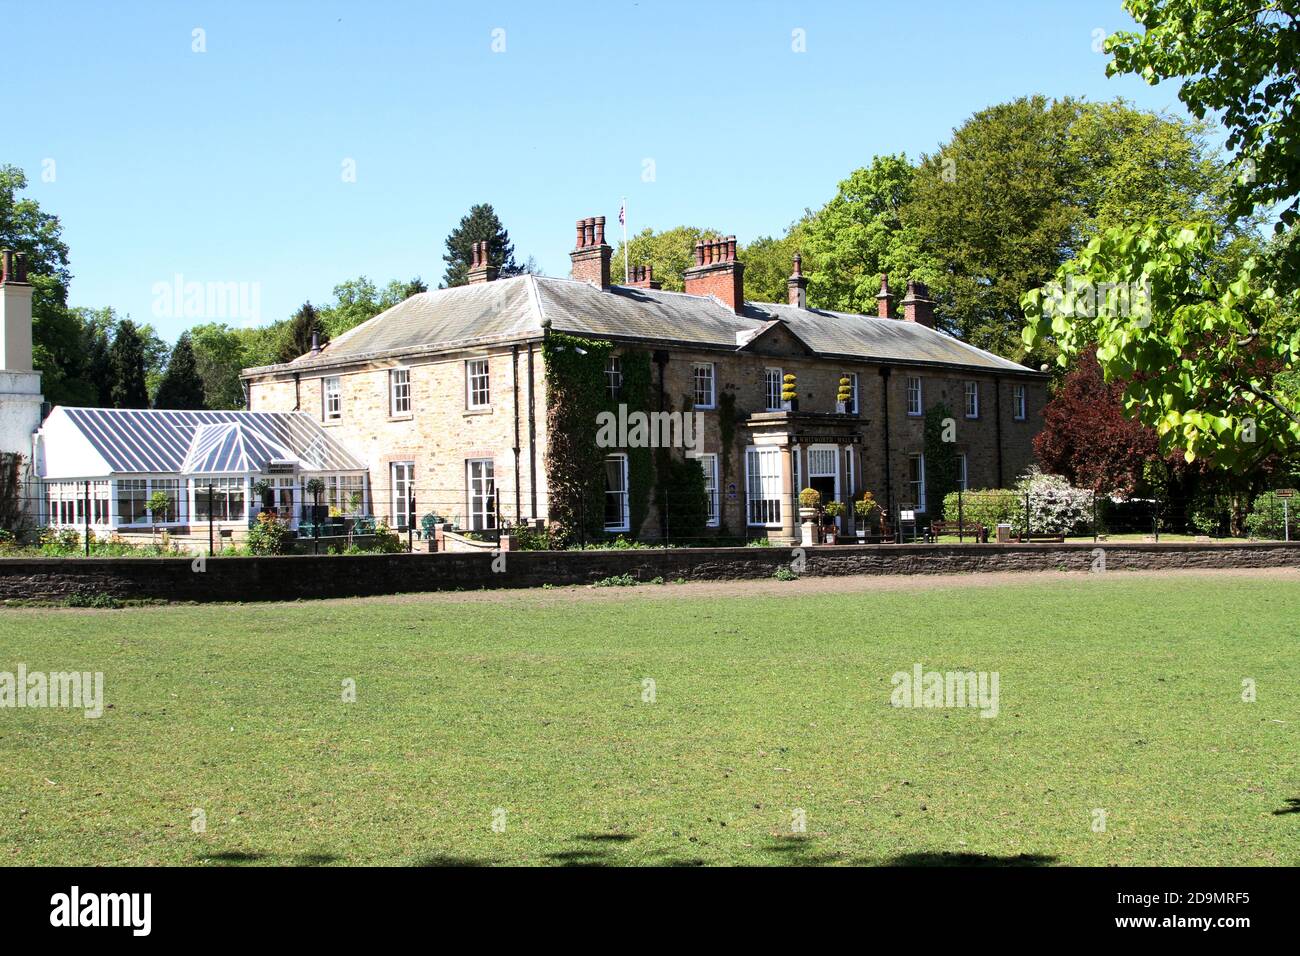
(11, 505)
(577, 392)
(940, 460)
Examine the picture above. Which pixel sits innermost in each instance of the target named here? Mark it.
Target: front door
(824, 471)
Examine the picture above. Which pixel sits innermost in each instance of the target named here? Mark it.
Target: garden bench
(977, 531)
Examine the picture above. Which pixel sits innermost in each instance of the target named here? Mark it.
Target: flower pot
(841, 408)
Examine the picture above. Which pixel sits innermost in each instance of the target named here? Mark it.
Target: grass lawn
(1117, 692)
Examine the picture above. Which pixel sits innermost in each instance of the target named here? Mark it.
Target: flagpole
(627, 274)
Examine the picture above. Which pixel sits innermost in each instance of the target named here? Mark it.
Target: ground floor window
(617, 516)
(403, 483)
(132, 501)
(961, 471)
(346, 493)
(916, 478)
(219, 499)
(481, 478)
(69, 503)
(849, 475)
(763, 487)
(709, 465)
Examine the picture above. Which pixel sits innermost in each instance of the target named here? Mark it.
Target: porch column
(789, 506)
(842, 483)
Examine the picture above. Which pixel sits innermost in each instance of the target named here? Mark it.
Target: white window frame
(331, 397)
(972, 399)
(709, 465)
(762, 487)
(624, 522)
(713, 384)
(773, 379)
(401, 478)
(850, 477)
(478, 383)
(399, 391)
(917, 484)
(915, 397)
(853, 387)
(1018, 402)
(961, 471)
(614, 378)
(481, 494)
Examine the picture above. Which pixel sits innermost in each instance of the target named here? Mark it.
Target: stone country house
(445, 397)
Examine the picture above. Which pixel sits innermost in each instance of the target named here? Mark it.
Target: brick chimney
(716, 272)
(591, 254)
(480, 269)
(797, 284)
(885, 300)
(643, 277)
(918, 307)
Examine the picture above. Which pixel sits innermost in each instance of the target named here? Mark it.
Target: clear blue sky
(226, 166)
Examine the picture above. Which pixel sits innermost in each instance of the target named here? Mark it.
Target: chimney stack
(884, 301)
(643, 277)
(918, 307)
(716, 272)
(480, 269)
(797, 284)
(315, 341)
(590, 253)
(15, 313)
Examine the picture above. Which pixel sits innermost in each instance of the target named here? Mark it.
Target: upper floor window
(1018, 402)
(972, 400)
(614, 377)
(399, 391)
(704, 385)
(913, 395)
(332, 398)
(853, 393)
(478, 388)
(772, 378)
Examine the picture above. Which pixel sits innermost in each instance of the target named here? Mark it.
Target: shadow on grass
(799, 851)
(969, 859)
(1292, 806)
(242, 857)
(439, 859)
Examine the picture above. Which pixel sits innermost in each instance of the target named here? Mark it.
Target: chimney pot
(717, 272)
(884, 300)
(590, 257)
(918, 307)
(481, 268)
(797, 284)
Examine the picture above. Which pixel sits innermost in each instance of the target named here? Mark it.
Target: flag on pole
(622, 221)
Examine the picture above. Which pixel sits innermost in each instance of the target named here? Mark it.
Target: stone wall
(308, 576)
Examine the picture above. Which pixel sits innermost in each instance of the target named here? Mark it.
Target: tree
(1237, 62)
(670, 252)
(181, 387)
(480, 224)
(855, 237)
(1087, 437)
(219, 356)
(126, 364)
(304, 324)
(768, 262)
(1203, 355)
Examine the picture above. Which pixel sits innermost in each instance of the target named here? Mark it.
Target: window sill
(485, 410)
(401, 418)
(331, 422)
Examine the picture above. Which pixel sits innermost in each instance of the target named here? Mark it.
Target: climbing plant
(940, 459)
(11, 505)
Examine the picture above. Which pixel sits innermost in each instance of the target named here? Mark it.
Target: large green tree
(1235, 60)
(181, 386)
(126, 367)
(671, 252)
(854, 238)
(302, 326)
(480, 224)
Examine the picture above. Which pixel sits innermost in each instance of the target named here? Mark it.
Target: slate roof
(515, 308)
(146, 441)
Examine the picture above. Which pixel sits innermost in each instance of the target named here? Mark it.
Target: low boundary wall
(312, 576)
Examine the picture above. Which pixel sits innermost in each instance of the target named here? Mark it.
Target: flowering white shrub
(1055, 507)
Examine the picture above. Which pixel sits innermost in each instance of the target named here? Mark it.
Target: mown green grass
(1119, 694)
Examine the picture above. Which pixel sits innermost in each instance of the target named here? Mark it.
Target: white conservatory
(101, 466)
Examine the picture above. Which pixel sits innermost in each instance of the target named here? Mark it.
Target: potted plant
(844, 395)
(863, 508)
(790, 393)
(158, 504)
(832, 510)
(266, 491)
(810, 502)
